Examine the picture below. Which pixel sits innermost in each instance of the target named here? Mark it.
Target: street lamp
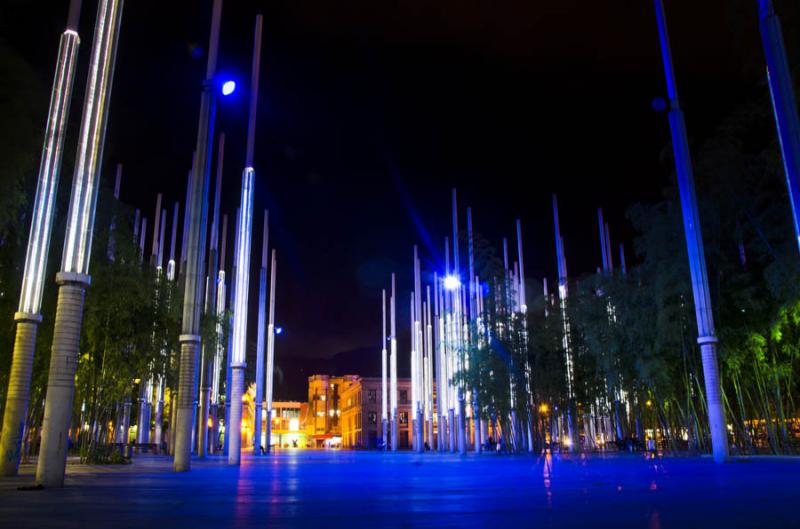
(228, 87)
(452, 282)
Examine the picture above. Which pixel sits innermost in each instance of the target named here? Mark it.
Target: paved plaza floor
(336, 489)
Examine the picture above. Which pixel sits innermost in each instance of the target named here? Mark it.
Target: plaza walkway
(324, 490)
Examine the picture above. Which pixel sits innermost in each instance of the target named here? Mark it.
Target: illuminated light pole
(229, 349)
(473, 292)
(384, 380)
(438, 341)
(73, 278)
(603, 245)
(220, 347)
(171, 262)
(28, 317)
(417, 352)
(694, 244)
(462, 434)
(208, 351)
(271, 332)
(449, 282)
(161, 379)
(194, 254)
(242, 257)
(562, 296)
(429, 412)
(784, 103)
(393, 364)
(262, 330)
(523, 308)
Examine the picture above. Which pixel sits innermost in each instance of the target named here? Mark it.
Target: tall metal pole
(384, 380)
(271, 345)
(243, 265)
(456, 304)
(393, 364)
(562, 296)
(261, 337)
(209, 350)
(220, 347)
(694, 245)
(28, 317)
(473, 308)
(73, 279)
(194, 253)
(784, 103)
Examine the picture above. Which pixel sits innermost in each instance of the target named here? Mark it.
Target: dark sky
(371, 111)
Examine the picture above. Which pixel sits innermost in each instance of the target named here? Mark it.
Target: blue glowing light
(452, 282)
(278, 330)
(228, 87)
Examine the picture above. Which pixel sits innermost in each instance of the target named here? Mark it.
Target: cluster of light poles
(440, 335)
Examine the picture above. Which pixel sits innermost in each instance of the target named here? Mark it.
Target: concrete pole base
(716, 413)
(235, 427)
(19, 390)
(257, 430)
(52, 461)
(451, 420)
(187, 394)
(202, 424)
(268, 432)
(394, 431)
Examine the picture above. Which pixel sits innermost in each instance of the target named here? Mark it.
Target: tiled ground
(372, 489)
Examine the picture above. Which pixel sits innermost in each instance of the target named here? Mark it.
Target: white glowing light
(80, 217)
(452, 282)
(228, 87)
(242, 258)
(50, 164)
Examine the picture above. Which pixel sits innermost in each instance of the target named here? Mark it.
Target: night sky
(371, 111)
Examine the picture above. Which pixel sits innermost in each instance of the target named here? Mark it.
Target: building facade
(360, 420)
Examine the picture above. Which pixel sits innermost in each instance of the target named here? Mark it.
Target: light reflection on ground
(373, 489)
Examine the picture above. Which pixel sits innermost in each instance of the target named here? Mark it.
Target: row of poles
(451, 396)
(73, 278)
(440, 338)
(198, 366)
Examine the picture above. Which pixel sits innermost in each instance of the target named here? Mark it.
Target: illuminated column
(171, 262)
(28, 317)
(456, 304)
(603, 245)
(384, 381)
(473, 308)
(194, 254)
(242, 257)
(441, 390)
(208, 350)
(229, 355)
(262, 330)
(393, 364)
(220, 351)
(562, 296)
(429, 411)
(694, 244)
(523, 309)
(73, 278)
(784, 103)
(271, 345)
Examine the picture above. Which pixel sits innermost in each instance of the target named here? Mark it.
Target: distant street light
(228, 87)
(452, 282)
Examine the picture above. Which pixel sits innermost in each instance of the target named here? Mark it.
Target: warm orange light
(649, 403)
(210, 422)
(544, 408)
